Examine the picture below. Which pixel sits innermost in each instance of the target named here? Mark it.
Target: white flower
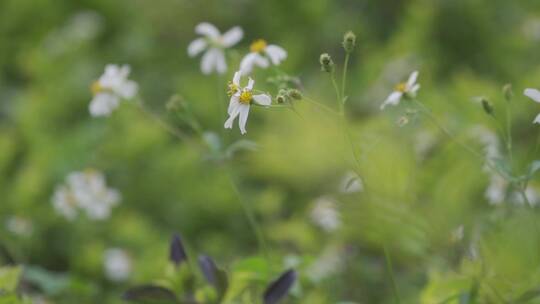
(496, 190)
(117, 264)
(533, 94)
(214, 43)
(110, 89)
(241, 98)
(351, 183)
(262, 55)
(325, 214)
(409, 88)
(88, 191)
(19, 226)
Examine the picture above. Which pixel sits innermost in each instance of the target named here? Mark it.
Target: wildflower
(349, 41)
(214, 44)
(327, 64)
(117, 264)
(241, 99)
(262, 55)
(325, 214)
(534, 94)
(86, 191)
(403, 90)
(110, 89)
(496, 191)
(279, 288)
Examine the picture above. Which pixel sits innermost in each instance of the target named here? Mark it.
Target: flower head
(117, 264)
(110, 89)
(534, 94)
(241, 99)
(213, 43)
(262, 55)
(405, 89)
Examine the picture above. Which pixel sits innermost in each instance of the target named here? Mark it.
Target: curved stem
(388, 259)
(344, 77)
(509, 134)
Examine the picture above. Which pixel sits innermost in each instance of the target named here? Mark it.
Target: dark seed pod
(278, 289)
(208, 268)
(177, 253)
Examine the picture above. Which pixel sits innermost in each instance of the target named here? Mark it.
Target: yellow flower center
(402, 87)
(96, 88)
(233, 88)
(258, 46)
(246, 96)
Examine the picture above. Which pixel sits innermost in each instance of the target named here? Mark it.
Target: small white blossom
(496, 190)
(409, 88)
(534, 94)
(351, 183)
(87, 191)
(214, 44)
(117, 264)
(262, 55)
(325, 214)
(19, 226)
(241, 99)
(110, 89)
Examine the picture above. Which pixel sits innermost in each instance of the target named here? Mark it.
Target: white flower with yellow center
(241, 99)
(534, 94)
(110, 89)
(262, 55)
(404, 89)
(214, 44)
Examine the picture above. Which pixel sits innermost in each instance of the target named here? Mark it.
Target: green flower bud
(349, 41)
(508, 93)
(488, 107)
(327, 64)
(295, 94)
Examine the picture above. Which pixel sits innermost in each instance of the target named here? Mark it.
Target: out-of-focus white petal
(246, 65)
(244, 112)
(276, 53)
(233, 113)
(233, 104)
(262, 99)
(393, 99)
(128, 89)
(537, 119)
(232, 36)
(251, 83)
(412, 79)
(236, 78)
(533, 94)
(208, 61)
(103, 104)
(197, 46)
(207, 29)
(221, 65)
(415, 88)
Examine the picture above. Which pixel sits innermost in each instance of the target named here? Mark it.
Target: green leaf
(9, 278)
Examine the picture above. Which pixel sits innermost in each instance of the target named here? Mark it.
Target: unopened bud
(281, 99)
(488, 107)
(349, 41)
(327, 64)
(295, 94)
(508, 93)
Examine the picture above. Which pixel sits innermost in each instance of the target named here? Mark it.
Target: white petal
(208, 61)
(261, 61)
(221, 65)
(251, 83)
(233, 104)
(276, 53)
(412, 79)
(103, 104)
(196, 46)
(233, 113)
(393, 99)
(533, 94)
(415, 88)
(208, 30)
(232, 36)
(537, 119)
(262, 99)
(127, 90)
(246, 65)
(236, 78)
(244, 112)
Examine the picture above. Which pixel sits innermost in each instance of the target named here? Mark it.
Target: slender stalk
(509, 133)
(344, 77)
(388, 259)
(338, 95)
(322, 106)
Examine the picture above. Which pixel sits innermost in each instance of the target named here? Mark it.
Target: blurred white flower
(329, 263)
(19, 226)
(351, 183)
(325, 214)
(110, 89)
(496, 190)
(404, 89)
(117, 264)
(88, 191)
(533, 94)
(531, 29)
(214, 44)
(241, 99)
(262, 55)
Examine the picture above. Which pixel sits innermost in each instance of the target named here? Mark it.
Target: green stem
(509, 133)
(322, 106)
(344, 77)
(391, 273)
(334, 83)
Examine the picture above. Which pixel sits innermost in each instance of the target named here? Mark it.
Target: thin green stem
(338, 96)
(509, 133)
(322, 106)
(344, 77)
(388, 259)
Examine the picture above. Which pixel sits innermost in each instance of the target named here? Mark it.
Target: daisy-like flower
(241, 99)
(404, 89)
(110, 89)
(117, 264)
(262, 55)
(533, 94)
(214, 43)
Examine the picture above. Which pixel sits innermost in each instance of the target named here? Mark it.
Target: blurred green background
(419, 187)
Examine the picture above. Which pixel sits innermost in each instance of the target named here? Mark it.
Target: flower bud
(281, 99)
(508, 93)
(295, 94)
(349, 41)
(327, 64)
(488, 107)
